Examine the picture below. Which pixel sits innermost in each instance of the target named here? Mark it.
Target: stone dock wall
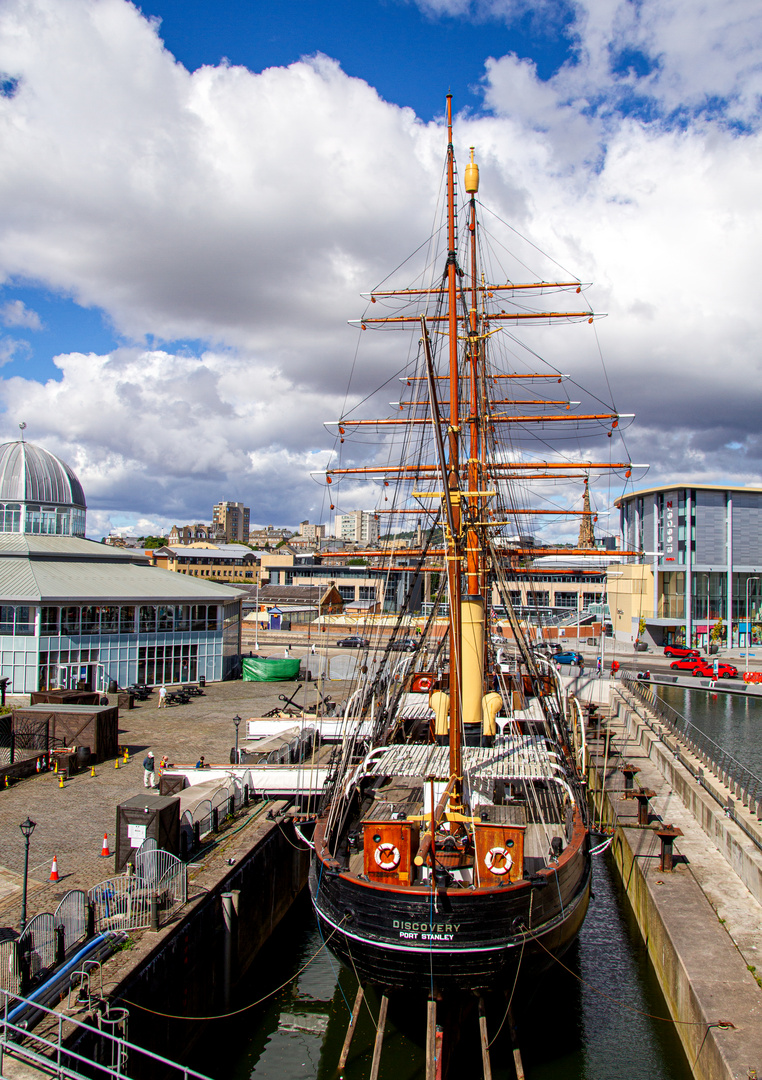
(701, 921)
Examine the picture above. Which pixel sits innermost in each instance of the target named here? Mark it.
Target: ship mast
(453, 541)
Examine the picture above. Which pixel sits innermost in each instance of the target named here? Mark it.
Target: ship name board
(426, 931)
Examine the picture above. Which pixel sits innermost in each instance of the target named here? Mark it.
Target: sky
(194, 194)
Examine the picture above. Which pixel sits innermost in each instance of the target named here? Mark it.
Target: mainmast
(453, 541)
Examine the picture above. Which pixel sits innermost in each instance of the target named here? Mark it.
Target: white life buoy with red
(498, 861)
(387, 856)
(424, 683)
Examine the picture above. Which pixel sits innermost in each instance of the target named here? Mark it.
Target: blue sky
(410, 56)
(183, 238)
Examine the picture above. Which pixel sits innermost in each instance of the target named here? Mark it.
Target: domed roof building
(39, 493)
(78, 615)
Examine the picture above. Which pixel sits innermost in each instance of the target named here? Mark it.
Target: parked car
(688, 663)
(705, 670)
(353, 642)
(680, 651)
(570, 657)
(405, 644)
(702, 669)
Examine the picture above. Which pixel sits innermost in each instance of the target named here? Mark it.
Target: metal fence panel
(71, 914)
(37, 944)
(10, 970)
(124, 903)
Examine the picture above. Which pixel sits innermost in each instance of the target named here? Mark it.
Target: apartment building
(231, 520)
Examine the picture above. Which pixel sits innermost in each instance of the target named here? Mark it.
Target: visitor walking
(162, 697)
(149, 771)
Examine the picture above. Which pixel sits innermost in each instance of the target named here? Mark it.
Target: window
(565, 599)
(91, 620)
(70, 620)
(48, 521)
(127, 620)
(33, 519)
(6, 619)
(109, 620)
(367, 592)
(10, 517)
(49, 621)
(165, 618)
(147, 620)
(182, 617)
(347, 592)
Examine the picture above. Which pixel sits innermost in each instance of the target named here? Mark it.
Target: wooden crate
(143, 817)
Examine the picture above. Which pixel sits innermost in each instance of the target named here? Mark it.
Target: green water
(594, 1021)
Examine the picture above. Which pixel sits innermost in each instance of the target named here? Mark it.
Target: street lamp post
(27, 828)
(748, 622)
(256, 614)
(237, 722)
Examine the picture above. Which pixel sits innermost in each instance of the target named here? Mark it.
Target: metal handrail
(63, 1062)
(747, 785)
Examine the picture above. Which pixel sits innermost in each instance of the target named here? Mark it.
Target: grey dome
(29, 474)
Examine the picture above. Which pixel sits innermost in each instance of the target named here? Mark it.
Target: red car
(687, 664)
(705, 670)
(681, 651)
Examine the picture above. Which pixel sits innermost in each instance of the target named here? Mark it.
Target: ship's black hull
(461, 941)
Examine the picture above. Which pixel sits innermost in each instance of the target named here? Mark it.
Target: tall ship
(451, 851)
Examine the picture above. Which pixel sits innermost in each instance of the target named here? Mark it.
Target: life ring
(423, 683)
(503, 866)
(387, 856)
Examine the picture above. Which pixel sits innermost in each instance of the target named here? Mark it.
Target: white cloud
(249, 210)
(12, 349)
(166, 436)
(16, 313)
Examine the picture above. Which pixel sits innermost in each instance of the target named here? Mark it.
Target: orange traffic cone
(54, 870)
(105, 853)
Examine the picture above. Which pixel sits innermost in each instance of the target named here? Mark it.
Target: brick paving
(71, 821)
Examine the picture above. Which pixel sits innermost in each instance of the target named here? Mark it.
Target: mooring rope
(245, 1008)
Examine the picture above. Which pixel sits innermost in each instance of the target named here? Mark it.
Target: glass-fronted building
(74, 613)
(704, 547)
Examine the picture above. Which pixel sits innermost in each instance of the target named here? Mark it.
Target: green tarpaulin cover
(255, 670)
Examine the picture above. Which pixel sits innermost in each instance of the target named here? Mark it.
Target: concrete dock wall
(710, 990)
(181, 969)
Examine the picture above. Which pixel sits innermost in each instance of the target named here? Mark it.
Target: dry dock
(700, 920)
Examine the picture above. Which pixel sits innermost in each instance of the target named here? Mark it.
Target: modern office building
(386, 588)
(77, 613)
(701, 565)
(232, 520)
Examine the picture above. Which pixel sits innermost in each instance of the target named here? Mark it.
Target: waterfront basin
(594, 1021)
